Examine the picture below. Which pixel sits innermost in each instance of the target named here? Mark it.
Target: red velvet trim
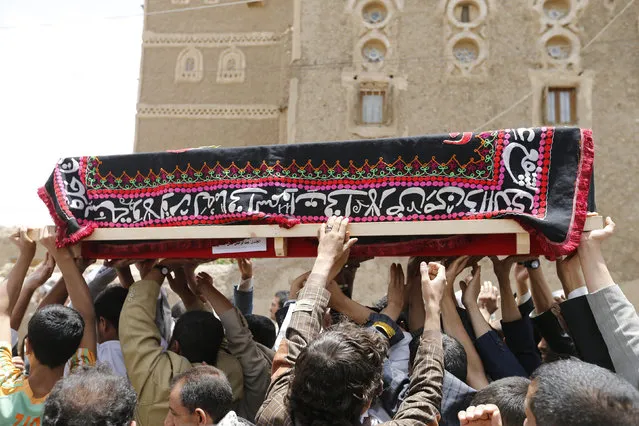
(580, 204)
(61, 227)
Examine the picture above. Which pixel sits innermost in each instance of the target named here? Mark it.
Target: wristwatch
(532, 264)
(163, 269)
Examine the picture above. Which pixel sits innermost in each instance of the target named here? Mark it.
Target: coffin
(510, 191)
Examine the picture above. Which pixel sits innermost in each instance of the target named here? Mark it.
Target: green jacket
(149, 367)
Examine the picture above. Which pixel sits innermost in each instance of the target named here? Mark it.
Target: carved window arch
(231, 67)
(189, 66)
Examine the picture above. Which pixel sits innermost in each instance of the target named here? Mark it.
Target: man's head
(108, 306)
(337, 376)
(197, 336)
(55, 332)
(199, 396)
(280, 298)
(574, 393)
(90, 396)
(509, 395)
(263, 329)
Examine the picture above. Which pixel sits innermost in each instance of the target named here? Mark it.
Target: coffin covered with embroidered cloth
(541, 177)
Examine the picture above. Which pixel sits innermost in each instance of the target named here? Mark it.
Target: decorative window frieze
(465, 45)
(231, 66)
(189, 66)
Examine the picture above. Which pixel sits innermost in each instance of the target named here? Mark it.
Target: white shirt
(110, 353)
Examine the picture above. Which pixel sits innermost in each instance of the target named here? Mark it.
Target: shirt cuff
(245, 285)
(578, 292)
(525, 298)
(386, 326)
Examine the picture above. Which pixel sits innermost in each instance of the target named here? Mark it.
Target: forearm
(353, 310)
(594, 267)
(56, 296)
(480, 326)
(218, 301)
(125, 276)
(540, 291)
(509, 310)
(10, 291)
(80, 297)
(453, 327)
(421, 405)
(21, 306)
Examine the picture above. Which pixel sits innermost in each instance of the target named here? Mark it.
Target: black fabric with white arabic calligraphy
(539, 176)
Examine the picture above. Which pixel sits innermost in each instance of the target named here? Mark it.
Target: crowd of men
(114, 352)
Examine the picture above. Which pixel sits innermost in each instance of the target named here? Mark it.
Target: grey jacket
(618, 322)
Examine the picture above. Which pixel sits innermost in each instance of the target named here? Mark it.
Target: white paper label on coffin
(244, 246)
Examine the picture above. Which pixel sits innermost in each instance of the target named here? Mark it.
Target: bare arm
(10, 288)
(454, 327)
(77, 289)
(32, 283)
(470, 293)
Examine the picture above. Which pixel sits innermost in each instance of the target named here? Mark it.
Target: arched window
(231, 67)
(189, 66)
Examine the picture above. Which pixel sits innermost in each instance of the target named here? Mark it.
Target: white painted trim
(152, 39)
(208, 111)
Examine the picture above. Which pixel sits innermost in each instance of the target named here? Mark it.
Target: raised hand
(481, 415)
(433, 282)
(397, 292)
(471, 287)
(599, 235)
(334, 240)
(42, 272)
(246, 268)
(25, 244)
(488, 297)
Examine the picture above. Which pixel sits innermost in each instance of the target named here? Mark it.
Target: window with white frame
(561, 105)
(373, 105)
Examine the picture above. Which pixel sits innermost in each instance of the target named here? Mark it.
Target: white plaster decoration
(209, 111)
(179, 1)
(372, 82)
(554, 13)
(151, 39)
(465, 48)
(231, 66)
(189, 66)
(559, 45)
(467, 51)
(357, 6)
(477, 13)
(372, 50)
(211, 1)
(542, 80)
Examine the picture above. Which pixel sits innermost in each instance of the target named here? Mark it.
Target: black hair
(282, 295)
(336, 375)
(55, 332)
(509, 394)
(575, 393)
(90, 396)
(207, 388)
(262, 328)
(199, 335)
(108, 304)
(280, 315)
(455, 359)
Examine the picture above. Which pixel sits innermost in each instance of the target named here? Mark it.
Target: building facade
(242, 72)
